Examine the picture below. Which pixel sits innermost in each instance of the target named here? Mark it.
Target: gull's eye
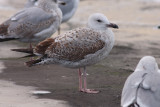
(99, 20)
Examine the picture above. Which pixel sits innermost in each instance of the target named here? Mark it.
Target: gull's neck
(106, 34)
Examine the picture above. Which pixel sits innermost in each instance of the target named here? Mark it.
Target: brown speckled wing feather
(27, 22)
(42, 46)
(3, 29)
(75, 45)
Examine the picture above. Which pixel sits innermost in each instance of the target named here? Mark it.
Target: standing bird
(68, 10)
(33, 24)
(78, 48)
(142, 87)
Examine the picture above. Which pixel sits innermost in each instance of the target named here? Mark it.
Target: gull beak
(112, 25)
(61, 2)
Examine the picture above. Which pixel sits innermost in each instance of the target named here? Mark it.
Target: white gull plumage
(142, 87)
(78, 48)
(33, 24)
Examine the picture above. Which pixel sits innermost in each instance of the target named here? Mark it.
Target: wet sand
(136, 38)
(21, 96)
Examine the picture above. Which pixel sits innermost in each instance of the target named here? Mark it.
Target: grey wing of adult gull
(131, 86)
(149, 92)
(29, 23)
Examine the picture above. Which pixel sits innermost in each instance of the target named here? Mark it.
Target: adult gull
(142, 87)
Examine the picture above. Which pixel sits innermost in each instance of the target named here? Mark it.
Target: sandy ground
(136, 38)
(18, 96)
(12, 95)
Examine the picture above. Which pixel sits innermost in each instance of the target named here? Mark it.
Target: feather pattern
(32, 24)
(76, 46)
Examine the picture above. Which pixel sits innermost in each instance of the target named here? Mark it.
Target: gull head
(148, 64)
(33, 0)
(59, 2)
(99, 21)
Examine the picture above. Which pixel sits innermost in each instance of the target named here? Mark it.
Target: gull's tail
(27, 50)
(6, 39)
(31, 54)
(35, 62)
(32, 62)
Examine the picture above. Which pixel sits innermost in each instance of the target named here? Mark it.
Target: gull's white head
(148, 64)
(100, 22)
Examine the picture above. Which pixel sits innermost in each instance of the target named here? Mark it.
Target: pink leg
(80, 79)
(30, 46)
(91, 91)
(59, 30)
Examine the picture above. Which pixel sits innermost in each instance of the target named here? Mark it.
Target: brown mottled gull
(33, 24)
(78, 48)
(68, 10)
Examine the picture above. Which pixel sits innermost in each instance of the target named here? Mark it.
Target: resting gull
(78, 48)
(32, 24)
(68, 10)
(142, 87)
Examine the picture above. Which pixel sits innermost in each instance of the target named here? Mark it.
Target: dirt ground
(136, 37)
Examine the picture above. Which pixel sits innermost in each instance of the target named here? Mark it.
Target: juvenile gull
(142, 88)
(33, 24)
(78, 48)
(68, 10)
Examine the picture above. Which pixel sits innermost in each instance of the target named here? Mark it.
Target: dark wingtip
(7, 39)
(33, 62)
(29, 63)
(30, 51)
